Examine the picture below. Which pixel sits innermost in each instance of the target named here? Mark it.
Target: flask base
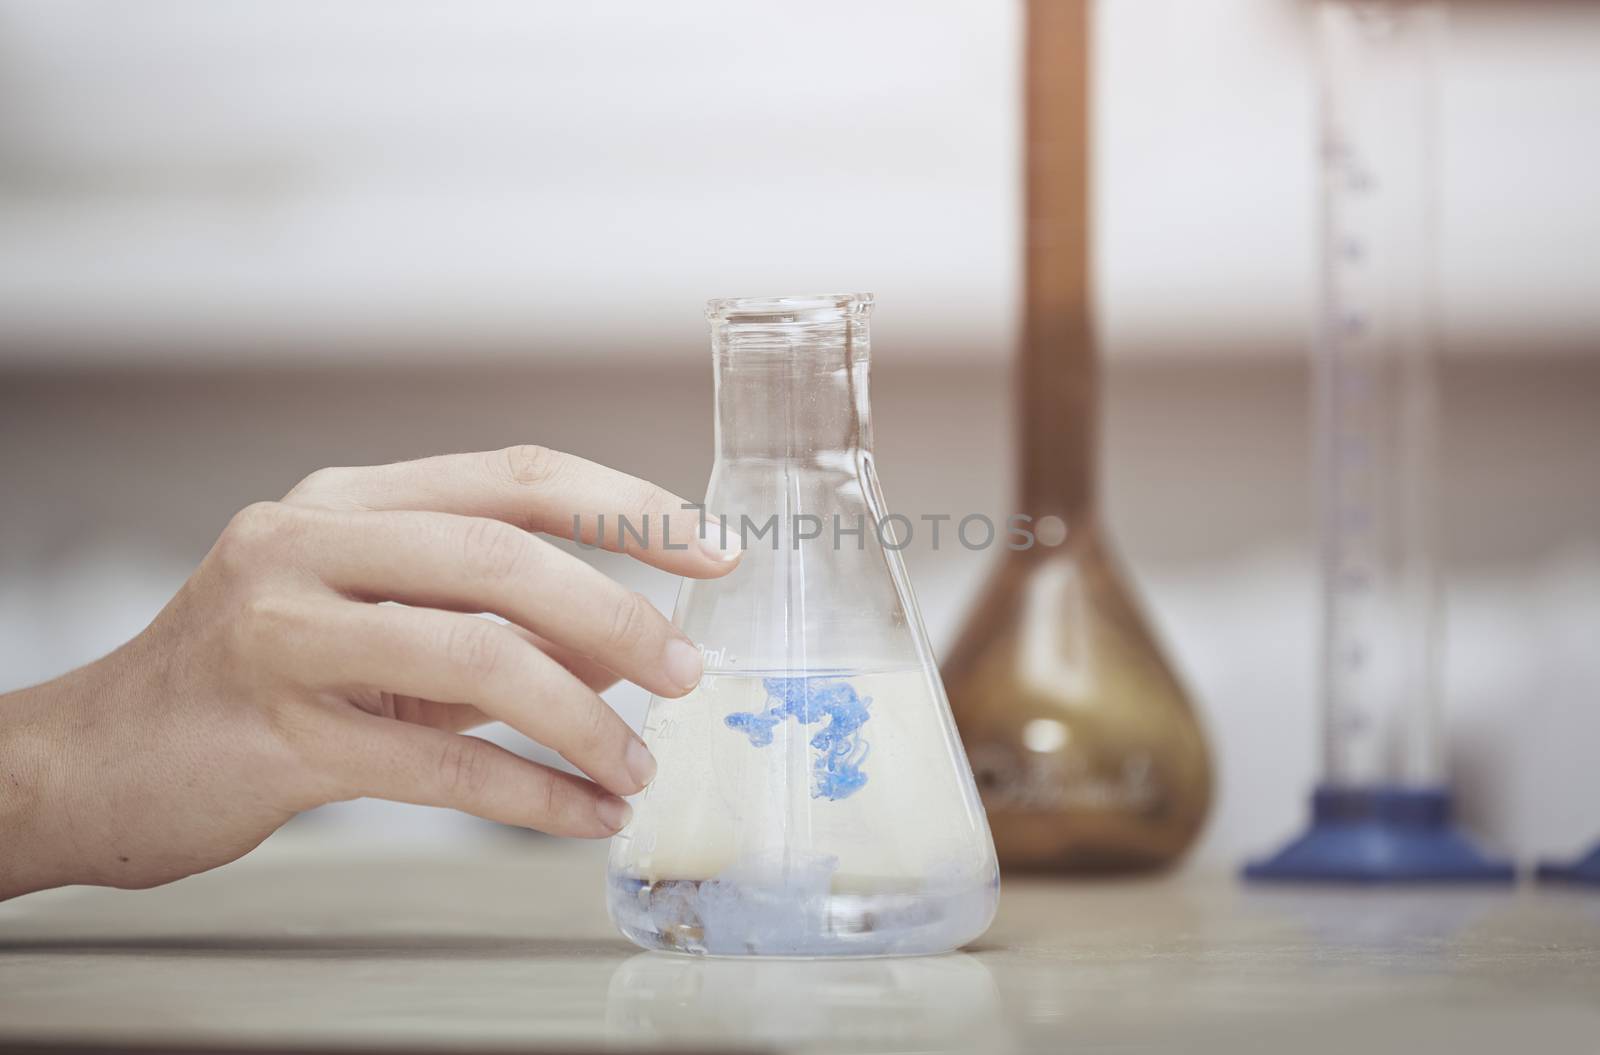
(1381, 835)
(726, 917)
(1583, 870)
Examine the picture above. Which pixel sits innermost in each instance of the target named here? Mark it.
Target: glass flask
(1382, 809)
(812, 796)
(1088, 753)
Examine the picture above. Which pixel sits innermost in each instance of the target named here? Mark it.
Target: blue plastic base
(1381, 835)
(1583, 870)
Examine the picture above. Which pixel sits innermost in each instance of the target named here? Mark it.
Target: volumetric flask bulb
(812, 796)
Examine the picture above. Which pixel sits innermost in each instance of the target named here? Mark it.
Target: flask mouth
(811, 308)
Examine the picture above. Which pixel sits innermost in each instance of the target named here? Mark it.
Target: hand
(274, 681)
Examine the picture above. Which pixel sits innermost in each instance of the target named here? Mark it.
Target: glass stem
(1058, 375)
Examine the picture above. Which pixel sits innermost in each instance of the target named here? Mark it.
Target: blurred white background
(241, 240)
(186, 180)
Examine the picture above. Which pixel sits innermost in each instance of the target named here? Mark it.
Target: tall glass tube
(1382, 810)
(1375, 394)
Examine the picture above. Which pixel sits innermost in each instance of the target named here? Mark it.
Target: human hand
(274, 681)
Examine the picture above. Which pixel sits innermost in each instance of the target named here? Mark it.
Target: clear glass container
(1382, 810)
(812, 796)
(1375, 394)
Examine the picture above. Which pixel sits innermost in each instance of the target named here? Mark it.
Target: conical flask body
(812, 796)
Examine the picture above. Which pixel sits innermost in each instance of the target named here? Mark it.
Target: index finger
(537, 489)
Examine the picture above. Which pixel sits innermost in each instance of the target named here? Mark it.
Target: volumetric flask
(1382, 810)
(1087, 748)
(812, 796)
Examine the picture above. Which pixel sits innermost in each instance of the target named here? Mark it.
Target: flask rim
(804, 308)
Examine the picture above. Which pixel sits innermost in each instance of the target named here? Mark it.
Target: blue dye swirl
(837, 771)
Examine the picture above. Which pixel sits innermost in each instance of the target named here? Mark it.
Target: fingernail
(718, 543)
(683, 664)
(641, 763)
(613, 813)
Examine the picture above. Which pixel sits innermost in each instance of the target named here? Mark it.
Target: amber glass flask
(1087, 751)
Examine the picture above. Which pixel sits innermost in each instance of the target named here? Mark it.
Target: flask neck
(1058, 376)
(1058, 390)
(791, 382)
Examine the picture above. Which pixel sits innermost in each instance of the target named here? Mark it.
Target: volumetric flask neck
(812, 797)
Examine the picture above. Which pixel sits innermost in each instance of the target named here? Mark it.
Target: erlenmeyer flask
(1088, 753)
(812, 796)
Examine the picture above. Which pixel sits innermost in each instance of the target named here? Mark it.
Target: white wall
(187, 180)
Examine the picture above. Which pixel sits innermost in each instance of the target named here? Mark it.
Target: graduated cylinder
(1375, 396)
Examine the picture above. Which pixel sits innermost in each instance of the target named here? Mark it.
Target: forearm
(31, 757)
(26, 858)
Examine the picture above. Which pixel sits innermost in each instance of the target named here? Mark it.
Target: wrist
(32, 755)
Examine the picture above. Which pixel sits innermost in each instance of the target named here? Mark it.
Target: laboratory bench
(506, 946)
